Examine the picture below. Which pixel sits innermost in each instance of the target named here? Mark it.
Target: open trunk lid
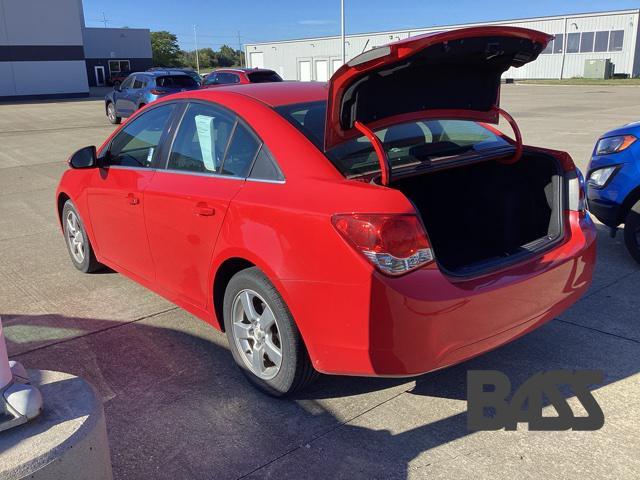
(452, 74)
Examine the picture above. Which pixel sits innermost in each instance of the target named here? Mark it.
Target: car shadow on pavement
(177, 406)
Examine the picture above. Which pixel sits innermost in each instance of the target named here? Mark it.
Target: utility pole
(240, 49)
(344, 53)
(104, 20)
(195, 36)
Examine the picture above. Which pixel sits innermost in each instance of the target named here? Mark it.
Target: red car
(226, 76)
(377, 225)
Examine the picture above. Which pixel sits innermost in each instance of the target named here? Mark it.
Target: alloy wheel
(75, 237)
(256, 334)
(111, 112)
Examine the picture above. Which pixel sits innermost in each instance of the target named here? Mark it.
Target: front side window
(139, 83)
(225, 78)
(135, 145)
(128, 83)
(406, 144)
(212, 79)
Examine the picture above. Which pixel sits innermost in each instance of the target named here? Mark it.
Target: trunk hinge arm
(383, 160)
(516, 131)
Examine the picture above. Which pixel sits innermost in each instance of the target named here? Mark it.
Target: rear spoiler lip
(491, 116)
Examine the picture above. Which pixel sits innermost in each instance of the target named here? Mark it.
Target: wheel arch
(630, 200)
(61, 200)
(227, 269)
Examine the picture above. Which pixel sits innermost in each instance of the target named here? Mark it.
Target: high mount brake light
(393, 243)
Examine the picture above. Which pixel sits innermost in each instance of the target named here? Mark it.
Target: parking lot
(176, 405)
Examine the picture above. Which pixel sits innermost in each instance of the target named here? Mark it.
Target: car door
(186, 203)
(124, 97)
(116, 194)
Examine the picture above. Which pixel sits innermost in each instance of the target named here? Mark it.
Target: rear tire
(258, 325)
(112, 115)
(632, 231)
(77, 240)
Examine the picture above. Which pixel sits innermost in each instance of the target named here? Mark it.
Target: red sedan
(241, 76)
(377, 225)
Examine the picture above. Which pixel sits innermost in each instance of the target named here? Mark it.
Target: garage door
(322, 70)
(257, 59)
(304, 70)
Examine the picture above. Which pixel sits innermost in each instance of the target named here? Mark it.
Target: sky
(220, 22)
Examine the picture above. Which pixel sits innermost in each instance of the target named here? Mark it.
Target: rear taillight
(394, 243)
(577, 195)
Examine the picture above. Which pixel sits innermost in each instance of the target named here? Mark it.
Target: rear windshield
(406, 144)
(176, 81)
(264, 77)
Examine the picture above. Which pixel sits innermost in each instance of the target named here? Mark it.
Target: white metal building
(578, 37)
(46, 51)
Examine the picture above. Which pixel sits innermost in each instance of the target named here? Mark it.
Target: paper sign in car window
(204, 127)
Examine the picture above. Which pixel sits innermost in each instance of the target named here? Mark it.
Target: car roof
(159, 73)
(242, 70)
(274, 94)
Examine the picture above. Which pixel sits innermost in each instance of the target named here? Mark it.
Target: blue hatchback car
(141, 88)
(613, 185)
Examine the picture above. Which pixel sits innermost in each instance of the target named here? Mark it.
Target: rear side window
(136, 143)
(264, 77)
(265, 168)
(242, 151)
(176, 81)
(224, 78)
(202, 139)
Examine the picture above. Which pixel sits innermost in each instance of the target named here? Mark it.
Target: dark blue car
(613, 187)
(141, 88)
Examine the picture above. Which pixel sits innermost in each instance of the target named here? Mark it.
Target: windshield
(176, 81)
(406, 144)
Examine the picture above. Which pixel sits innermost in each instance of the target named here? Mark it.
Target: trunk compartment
(479, 217)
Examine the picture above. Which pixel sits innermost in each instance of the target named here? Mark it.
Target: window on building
(586, 42)
(602, 42)
(549, 48)
(119, 66)
(558, 43)
(573, 43)
(616, 39)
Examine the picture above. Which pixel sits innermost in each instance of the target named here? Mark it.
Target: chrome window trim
(126, 167)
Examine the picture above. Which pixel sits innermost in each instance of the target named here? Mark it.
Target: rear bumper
(423, 321)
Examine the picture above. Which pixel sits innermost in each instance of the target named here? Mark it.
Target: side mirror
(84, 158)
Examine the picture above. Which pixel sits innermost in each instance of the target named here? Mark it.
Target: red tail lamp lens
(394, 243)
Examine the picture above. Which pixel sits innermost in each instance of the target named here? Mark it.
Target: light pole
(195, 37)
(344, 53)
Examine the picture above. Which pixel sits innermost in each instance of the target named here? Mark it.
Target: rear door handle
(132, 199)
(204, 210)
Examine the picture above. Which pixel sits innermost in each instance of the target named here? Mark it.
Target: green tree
(165, 49)
(228, 57)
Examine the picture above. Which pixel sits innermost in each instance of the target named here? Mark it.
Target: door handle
(132, 199)
(204, 210)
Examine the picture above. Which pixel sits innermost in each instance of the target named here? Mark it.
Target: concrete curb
(67, 441)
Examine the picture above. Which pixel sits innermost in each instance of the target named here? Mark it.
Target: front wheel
(263, 337)
(78, 243)
(112, 115)
(632, 231)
